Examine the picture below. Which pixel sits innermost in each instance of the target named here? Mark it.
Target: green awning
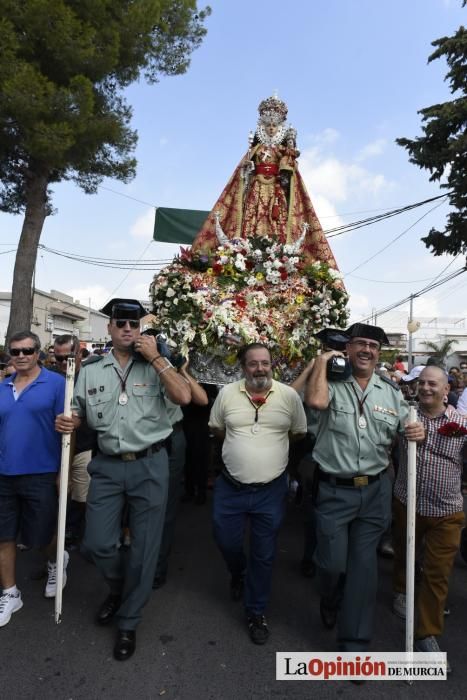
(178, 225)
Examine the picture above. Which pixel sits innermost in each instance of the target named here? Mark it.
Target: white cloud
(375, 148)
(143, 227)
(326, 137)
(95, 295)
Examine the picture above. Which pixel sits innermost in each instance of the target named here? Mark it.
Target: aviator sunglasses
(16, 352)
(121, 323)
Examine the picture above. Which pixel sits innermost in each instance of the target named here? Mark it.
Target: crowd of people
(137, 420)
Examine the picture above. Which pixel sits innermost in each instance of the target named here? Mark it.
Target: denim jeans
(263, 507)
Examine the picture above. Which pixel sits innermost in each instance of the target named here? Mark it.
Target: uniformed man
(361, 415)
(121, 396)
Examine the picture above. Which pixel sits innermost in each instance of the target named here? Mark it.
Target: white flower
(203, 338)
(170, 292)
(224, 259)
(335, 274)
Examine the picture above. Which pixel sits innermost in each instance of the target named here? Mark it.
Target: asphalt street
(193, 642)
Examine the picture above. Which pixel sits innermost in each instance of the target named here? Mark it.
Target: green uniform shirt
(343, 447)
(132, 427)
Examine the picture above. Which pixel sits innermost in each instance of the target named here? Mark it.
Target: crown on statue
(272, 111)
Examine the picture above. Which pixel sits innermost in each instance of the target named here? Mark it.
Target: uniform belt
(241, 486)
(132, 456)
(354, 481)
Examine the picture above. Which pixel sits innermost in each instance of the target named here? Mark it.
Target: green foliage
(442, 349)
(62, 68)
(443, 149)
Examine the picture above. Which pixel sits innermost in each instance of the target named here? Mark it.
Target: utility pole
(410, 329)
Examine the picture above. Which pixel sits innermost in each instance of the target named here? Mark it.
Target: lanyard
(123, 398)
(260, 399)
(361, 402)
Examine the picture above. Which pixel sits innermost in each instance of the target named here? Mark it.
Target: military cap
(363, 330)
(124, 308)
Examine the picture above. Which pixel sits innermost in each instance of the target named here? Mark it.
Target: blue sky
(354, 73)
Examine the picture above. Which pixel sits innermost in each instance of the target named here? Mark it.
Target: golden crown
(272, 110)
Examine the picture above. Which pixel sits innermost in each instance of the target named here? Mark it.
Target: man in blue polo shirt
(30, 450)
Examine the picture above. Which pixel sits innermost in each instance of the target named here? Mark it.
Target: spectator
(439, 508)
(30, 452)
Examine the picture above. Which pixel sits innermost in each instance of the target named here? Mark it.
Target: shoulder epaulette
(395, 386)
(91, 360)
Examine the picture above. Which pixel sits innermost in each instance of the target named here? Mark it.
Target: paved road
(192, 644)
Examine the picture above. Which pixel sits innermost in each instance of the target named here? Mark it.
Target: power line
(426, 289)
(394, 239)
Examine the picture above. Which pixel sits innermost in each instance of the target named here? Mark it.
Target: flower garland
(248, 290)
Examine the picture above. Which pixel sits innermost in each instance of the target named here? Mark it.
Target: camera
(163, 347)
(338, 368)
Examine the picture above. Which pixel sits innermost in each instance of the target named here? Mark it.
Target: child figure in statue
(266, 195)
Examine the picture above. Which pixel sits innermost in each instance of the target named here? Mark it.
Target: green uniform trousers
(141, 485)
(349, 525)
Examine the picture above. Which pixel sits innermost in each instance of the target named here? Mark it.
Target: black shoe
(328, 614)
(258, 629)
(125, 645)
(159, 581)
(237, 584)
(307, 568)
(108, 609)
(200, 499)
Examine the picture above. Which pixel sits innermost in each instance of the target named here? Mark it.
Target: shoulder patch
(395, 386)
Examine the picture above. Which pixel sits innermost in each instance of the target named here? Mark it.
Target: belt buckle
(128, 456)
(360, 481)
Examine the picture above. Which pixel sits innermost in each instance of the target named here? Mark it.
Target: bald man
(439, 509)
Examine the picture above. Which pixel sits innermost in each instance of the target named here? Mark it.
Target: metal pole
(410, 552)
(410, 354)
(62, 500)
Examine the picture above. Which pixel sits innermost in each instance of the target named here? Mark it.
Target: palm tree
(442, 349)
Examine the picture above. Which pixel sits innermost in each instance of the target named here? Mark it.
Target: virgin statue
(266, 195)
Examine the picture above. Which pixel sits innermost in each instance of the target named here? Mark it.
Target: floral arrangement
(248, 290)
(452, 429)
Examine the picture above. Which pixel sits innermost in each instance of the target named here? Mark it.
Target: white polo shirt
(257, 452)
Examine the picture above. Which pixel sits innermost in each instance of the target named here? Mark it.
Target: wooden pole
(63, 495)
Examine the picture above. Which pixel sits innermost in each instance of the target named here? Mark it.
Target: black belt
(132, 456)
(354, 481)
(241, 486)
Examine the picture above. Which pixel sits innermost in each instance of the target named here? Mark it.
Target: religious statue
(266, 195)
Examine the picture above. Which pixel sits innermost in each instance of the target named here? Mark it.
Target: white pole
(63, 495)
(410, 555)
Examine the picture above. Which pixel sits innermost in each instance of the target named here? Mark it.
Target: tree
(443, 149)
(442, 349)
(63, 66)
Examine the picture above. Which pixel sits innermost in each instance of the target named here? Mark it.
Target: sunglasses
(121, 323)
(16, 352)
(62, 358)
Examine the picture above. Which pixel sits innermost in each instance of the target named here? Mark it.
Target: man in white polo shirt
(255, 417)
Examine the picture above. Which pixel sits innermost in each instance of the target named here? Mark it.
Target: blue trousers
(264, 509)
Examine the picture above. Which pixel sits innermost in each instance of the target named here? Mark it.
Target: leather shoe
(328, 614)
(159, 581)
(108, 609)
(125, 645)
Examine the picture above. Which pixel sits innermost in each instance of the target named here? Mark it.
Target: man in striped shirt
(439, 506)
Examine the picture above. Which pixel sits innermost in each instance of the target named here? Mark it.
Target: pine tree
(63, 66)
(443, 148)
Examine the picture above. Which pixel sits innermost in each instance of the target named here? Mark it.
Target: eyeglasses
(16, 352)
(62, 358)
(362, 344)
(121, 323)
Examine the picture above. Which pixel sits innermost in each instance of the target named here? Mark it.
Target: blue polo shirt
(29, 443)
